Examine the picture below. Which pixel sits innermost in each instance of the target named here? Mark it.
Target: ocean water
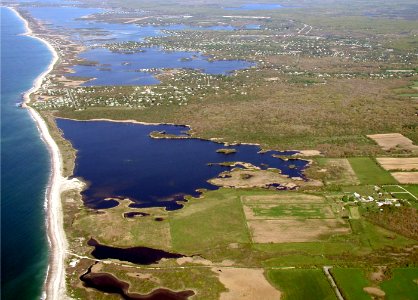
(121, 160)
(24, 166)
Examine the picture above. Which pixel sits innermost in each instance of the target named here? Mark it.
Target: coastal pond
(84, 28)
(120, 160)
(128, 68)
(136, 255)
(108, 283)
(133, 69)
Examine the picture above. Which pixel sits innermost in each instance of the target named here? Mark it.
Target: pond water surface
(108, 283)
(128, 69)
(121, 160)
(117, 68)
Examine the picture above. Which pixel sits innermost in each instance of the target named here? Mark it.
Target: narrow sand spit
(55, 287)
(246, 284)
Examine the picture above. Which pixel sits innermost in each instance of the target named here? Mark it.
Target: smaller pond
(108, 283)
(136, 255)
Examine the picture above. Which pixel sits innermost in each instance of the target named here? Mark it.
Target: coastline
(55, 285)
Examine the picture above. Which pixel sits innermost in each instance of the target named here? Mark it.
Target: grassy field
(215, 220)
(294, 210)
(369, 172)
(143, 231)
(361, 189)
(393, 189)
(301, 284)
(338, 171)
(403, 284)
(375, 237)
(351, 283)
(413, 189)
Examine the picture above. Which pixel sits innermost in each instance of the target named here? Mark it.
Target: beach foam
(55, 286)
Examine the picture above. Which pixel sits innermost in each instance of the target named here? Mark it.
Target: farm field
(338, 171)
(351, 283)
(402, 285)
(404, 164)
(302, 219)
(406, 177)
(300, 284)
(369, 172)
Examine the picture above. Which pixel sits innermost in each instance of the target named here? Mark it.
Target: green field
(293, 210)
(351, 283)
(401, 192)
(375, 237)
(217, 219)
(403, 285)
(369, 172)
(361, 189)
(301, 284)
(413, 189)
(393, 189)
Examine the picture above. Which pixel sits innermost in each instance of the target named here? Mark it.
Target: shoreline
(300, 153)
(55, 285)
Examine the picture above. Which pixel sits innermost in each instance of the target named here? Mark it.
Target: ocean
(24, 166)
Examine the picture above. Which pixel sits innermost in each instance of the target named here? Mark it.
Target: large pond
(85, 29)
(121, 160)
(133, 69)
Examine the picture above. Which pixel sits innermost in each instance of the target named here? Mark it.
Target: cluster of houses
(380, 201)
(181, 86)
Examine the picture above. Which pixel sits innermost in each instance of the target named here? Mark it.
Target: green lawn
(412, 188)
(392, 189)
(301, 284)
(364, 190)
(376, 237)
(216, 219)
(403, 284)
(369, 172)
(405, 196)
(292, 210)
(351, 283)
(305, 254)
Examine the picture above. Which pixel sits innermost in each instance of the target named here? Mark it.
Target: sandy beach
(55, 286)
